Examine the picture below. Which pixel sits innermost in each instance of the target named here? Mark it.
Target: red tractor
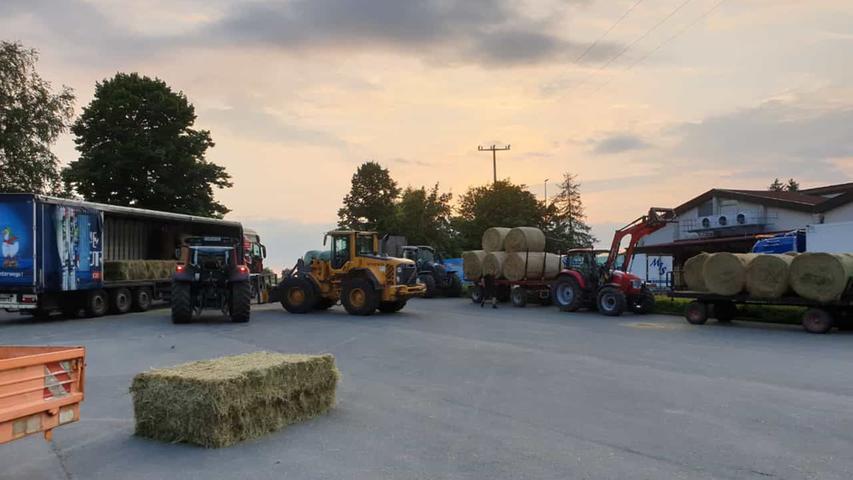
(593, 278)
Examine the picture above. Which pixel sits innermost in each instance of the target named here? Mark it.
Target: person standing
(489, 291)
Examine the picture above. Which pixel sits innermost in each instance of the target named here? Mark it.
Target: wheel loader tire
(241, 302)
(182, 304)
(97, 303)
(324, 303)
(428, 280)
(391, 307)
(359, 297)
(566, 294)
(120, 301)
(611, 301)
(142, 299)
(454, 288)
(298, 295)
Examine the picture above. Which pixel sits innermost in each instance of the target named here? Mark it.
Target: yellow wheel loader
(354, 274)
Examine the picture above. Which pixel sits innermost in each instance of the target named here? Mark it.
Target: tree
(138, 148)
(423, 216)
(500, 204)
(369, 205)
(792, 185)
(565, 218)
(32, 116)
(776, 186)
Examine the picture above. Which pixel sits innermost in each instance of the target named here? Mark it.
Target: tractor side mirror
(263, 251)
(178, 253)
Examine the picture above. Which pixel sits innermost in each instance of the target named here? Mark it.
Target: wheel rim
(98, 303)
(608, 302)
(357, 297)
(143, 298)
(296, 296)
(122, 300)
(565, 294)
(694, 314)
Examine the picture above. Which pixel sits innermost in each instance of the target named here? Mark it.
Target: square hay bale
(216, 403)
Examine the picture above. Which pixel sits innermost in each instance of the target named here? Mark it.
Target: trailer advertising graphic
(16, 228)
(77, 236)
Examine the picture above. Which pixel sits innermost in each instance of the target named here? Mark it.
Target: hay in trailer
(767, 276)
(493, 264)
(822, 277)
(725, 273)
(493, 239)
(472, 264)
(531, 265)
(525, 239)
(692, 272)
(215, 403)
(137, 270)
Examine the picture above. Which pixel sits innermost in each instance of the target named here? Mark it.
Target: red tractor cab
(600, 278)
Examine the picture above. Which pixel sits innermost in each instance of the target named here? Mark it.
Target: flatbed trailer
(818, 317)
(518, 292)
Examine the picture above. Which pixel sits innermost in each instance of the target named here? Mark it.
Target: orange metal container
(40, 388)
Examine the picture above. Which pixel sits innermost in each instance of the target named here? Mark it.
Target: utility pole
(493, 149)
(546, 191)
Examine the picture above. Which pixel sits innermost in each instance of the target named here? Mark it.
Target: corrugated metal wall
(126, 239)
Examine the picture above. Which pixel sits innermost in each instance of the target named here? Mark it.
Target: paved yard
(447, 390)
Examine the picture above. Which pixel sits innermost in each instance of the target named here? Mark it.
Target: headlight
(636, 284)
(399, 275)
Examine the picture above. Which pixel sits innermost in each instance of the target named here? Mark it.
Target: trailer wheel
(392, 307)
(454, 289)
(359, 297)
(428, 280)
(241, 302)
(611, 301)
(725, 312)
(696, 313)
(518, 296)
(477, 294)
(97, 303)
(182, 306)
(142, 299)
(120, 301)
(566, 293)
(297, 295)
(817, 320)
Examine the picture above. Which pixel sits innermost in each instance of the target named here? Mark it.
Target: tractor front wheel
(359, 297)
(454, 287)
(611, 301)
(428, 280)
(241, 302)
(297, 295)
(182, 303)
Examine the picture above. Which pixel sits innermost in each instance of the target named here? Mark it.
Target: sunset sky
(675, 98)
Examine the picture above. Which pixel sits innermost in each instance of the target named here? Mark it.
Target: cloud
(260, 125)
(618, 143)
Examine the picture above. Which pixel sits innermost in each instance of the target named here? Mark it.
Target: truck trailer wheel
(359, 297)
(97, 303)
(696, 313)
(392, 307)
(182, 306)
(611, 301)
(141, 299)
(817, 320)
(566, 293)
(297, 295)
(120, 301)
(241, 302)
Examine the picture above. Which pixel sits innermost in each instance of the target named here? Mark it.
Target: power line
(614, 25)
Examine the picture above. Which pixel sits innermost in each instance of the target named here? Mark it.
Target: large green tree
(32, 116)
(138, 148)
(423, 216)
(565, 222)
(500, 204)
(370, 203)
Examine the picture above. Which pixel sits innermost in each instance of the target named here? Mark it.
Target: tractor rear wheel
(392, 307)
(566, 293)
(297, 295)
(241, 302)
(121, 301)
(454, 287)
(611, 301)
(182, 303)
(428, 280)
(359, 297)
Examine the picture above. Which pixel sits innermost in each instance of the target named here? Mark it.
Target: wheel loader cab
(347, 246)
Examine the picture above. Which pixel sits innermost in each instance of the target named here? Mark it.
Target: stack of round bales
(511, 253)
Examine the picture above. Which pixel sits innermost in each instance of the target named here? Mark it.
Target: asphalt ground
(447, 390)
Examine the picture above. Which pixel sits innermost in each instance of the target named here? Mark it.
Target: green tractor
(437, 278)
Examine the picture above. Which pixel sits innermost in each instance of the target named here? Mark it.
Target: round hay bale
(767, 276)
(692, 272)
(493, 264)
(525, 239)
(493, 239)
(822, 277)
(531, 265)
(472, 264)
(725, 273)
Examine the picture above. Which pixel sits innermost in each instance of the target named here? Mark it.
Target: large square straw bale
(215, 403)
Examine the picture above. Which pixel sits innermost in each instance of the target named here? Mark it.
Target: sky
(648, 102)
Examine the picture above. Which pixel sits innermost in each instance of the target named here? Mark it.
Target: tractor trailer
(69, 255)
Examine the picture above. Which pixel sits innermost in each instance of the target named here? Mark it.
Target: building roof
(810, 200)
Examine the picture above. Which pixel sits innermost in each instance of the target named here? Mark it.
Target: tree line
(427, 216)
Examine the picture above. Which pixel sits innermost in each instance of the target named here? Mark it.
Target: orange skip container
(40, 388)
